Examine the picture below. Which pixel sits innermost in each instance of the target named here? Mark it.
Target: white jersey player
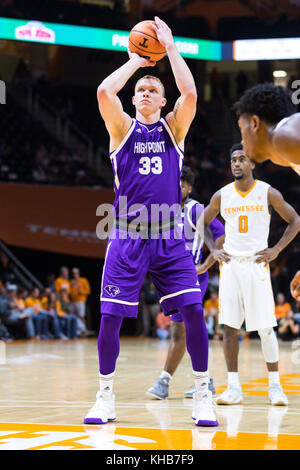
(245, 290)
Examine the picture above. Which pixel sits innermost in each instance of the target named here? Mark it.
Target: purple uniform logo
(112, 291)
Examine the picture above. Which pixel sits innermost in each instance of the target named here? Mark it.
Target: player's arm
(287, 139)
(210, 260)
(210, 213)
(116, 120)
(287, 213)
(184, 110)
(295, 286)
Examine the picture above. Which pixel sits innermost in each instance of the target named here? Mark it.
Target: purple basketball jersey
(190, 214)
(147, 168)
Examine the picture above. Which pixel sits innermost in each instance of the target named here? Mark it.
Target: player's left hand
(163, 32)
(141, 61)
(266, 256)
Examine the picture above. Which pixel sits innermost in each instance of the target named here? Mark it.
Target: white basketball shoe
(231, 396)
(103, 409)
(276, 395)
(203, 409)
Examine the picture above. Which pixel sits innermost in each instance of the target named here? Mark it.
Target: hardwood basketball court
(48, 386)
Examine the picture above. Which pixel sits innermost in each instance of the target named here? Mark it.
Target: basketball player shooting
(147, 154)
(270, 126)
(245, 290)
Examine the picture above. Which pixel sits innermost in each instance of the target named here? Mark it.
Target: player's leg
(175, 278)
(259, 315)
(203, 282)
(160, 390)
(122, 278)
(108, 352)
(231, 315)
(270, 349)
(233, 394)
(197, 347)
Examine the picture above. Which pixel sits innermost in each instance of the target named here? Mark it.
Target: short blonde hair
(151, 77)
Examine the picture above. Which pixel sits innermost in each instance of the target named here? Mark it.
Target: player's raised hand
(221, 256)
(163, 32)
(141, 61)
(266, 256)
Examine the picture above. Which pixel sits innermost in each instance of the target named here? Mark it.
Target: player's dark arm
(210, 260)
(209, 214)
(287, 139)
(295, 286)
(116, 120)
(287, 213)
(185, 107)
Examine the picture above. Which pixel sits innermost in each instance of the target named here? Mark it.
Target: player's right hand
(221, 256)
(141, 61)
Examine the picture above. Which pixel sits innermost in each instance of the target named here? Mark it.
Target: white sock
(165, 375)
(201, 381)
(233, 379)
(274, 378)
(106, 382)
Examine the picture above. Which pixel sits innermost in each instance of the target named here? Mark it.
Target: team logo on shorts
(112, 291)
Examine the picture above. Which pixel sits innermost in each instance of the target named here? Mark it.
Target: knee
(230, 333)
(266, 333)
(178, 332)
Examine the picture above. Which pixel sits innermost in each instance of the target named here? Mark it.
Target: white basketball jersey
(247, 218)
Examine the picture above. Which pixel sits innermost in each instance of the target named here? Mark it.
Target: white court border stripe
(103, 271)
(177, 293)
(118, 301)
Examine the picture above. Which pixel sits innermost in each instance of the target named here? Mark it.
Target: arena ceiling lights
(117, 40)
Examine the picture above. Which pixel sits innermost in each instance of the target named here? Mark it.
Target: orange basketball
(143, 41)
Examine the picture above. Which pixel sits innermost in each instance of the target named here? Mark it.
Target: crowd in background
(57, 311)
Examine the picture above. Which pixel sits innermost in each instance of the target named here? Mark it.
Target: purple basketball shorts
(127, 262)
(203, 282)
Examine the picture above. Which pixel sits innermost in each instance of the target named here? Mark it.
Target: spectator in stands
(48, 317)
(79, 291)
(288, 329)
(282, 307)
(15, 317)
(62, 282)
(7, 269)
(50, 281)
(67, 321)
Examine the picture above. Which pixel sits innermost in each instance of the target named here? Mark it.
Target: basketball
(143, 41)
